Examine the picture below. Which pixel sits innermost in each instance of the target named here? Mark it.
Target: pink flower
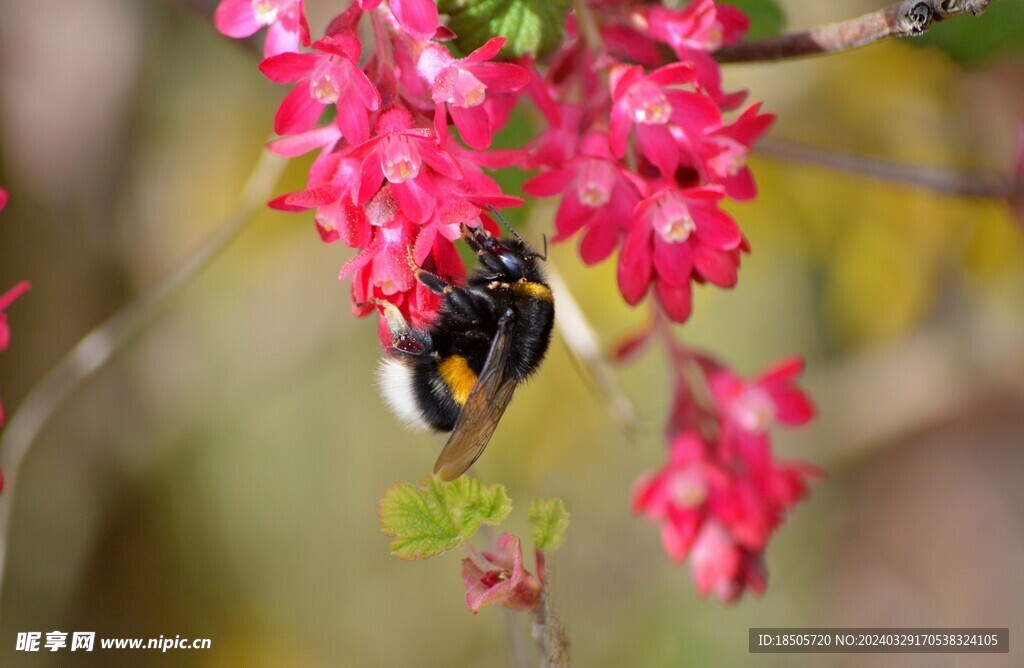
(6, 300)
(723, 568)
(677, 233)
(693, 33)
(331, 76)
(771, 398)
(401, 154)
(499, 578)
(419, 18)
(660, 111)
(330, 192)
(463, 85)
(717, 505)
(722, 154)
(286, 18)
(597, 194)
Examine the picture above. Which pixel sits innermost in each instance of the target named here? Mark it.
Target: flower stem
(588, 26)
(549, 636)
(94, 349)
(902, 19)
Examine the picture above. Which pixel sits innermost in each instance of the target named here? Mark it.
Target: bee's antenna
(516, 234)
(505, 223)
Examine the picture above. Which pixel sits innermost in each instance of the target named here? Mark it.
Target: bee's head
(509, 256)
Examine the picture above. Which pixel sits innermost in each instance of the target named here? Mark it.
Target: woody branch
(903, 19)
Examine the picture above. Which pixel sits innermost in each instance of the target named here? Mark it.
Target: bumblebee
(459, 374)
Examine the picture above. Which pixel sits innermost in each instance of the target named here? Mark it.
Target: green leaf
(972, 40)
(548, 521)
(434, 516)
(531, 26)
(766, 17)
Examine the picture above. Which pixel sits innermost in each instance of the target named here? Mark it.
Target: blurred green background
(219, 477)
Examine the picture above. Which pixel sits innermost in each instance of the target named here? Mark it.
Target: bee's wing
(483, 409)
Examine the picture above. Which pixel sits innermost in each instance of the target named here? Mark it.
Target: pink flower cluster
(721, 494)
(388, 177)
(641, 153)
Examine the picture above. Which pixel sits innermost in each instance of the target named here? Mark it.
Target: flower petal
(489, 50)
(415, 199)
(673, 262)
(287, 67)
(677, 301)
(502, 77)
(280, 40)
(474, 125)
(353, 120)
(235, 18)
(298, 112)
(659, 146)
(715, 227)
(635, 265)
(418, 17)
(599, 241)
(549, 183)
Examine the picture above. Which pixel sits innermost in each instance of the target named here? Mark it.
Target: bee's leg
(404, 338)
(486, 249)
(469, 235)
(455, 295)
(432, 282)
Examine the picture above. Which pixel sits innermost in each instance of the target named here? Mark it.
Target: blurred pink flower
(286, 18)
(419, 18)
(770, 398)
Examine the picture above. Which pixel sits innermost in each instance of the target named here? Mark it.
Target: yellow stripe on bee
(459, 378)
(534, 290)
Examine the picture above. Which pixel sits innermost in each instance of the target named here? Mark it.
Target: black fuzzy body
(508, 283)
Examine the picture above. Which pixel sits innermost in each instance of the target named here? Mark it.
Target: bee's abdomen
(531, 335)
(440, 389)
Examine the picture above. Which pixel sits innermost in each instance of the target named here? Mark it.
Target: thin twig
(549, 636)
(902, 19)
(947, 181)
(96, 347)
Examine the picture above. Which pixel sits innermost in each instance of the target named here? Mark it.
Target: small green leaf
(434, 517)
(766, 17)
(531, 26)
(548, 521)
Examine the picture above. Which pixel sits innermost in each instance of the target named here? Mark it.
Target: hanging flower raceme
(721, 494)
